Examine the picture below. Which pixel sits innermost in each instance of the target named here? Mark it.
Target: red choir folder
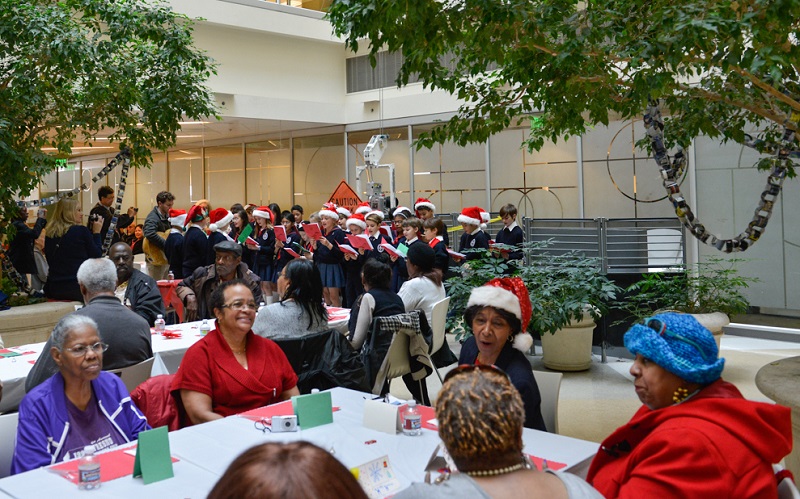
(291, 252)
(280, 233)
(313, 231)
(456, 254)
(360, 241)
(252, 241)
(346, 248)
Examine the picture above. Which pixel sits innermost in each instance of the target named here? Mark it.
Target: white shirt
(420, 293)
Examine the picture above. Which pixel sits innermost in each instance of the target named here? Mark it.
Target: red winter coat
(716, 444)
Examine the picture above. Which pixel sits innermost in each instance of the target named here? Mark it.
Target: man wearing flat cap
(195, 290)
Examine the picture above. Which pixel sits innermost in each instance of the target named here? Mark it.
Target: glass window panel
(268, 173)
(318, 168)
(185, 178)
(149, 182)
(224, 169)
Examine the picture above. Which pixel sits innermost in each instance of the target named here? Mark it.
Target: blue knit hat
(679, 344)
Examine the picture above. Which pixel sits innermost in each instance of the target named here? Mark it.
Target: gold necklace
(501, 471)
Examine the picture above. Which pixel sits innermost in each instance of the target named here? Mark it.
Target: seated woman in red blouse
(232, 370)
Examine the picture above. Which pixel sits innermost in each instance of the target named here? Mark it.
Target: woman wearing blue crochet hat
(695, 435)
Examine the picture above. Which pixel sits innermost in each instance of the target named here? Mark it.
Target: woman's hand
(278, 244)
(251, 246)
(97, 225)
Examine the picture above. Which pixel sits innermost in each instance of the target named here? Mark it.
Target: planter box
(32, 323)
(570, 348)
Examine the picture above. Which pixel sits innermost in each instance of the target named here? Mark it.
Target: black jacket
(144, 296)
(20, 250)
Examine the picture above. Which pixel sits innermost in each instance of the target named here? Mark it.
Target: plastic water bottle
(205, 327)
(160, 324)
(261, 306)
(412, 419)
(88, 470)
(171, 275)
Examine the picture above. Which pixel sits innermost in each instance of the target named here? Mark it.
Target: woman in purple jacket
(80, 405)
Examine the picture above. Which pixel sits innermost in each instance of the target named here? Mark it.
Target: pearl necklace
(501, 471)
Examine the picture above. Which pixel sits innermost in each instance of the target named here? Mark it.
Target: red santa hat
(264, 212)
(377, 213)
(220, 217)
(511, 295)
(402, 211)
(424, 203)
(363, 208)
(196, 214)
(329, 210)
(177, 217)
(357, 219)
(341, 210)
(471, 215)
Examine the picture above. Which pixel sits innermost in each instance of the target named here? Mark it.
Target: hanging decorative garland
(670, 171)
(124, 156)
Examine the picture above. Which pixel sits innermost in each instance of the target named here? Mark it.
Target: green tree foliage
(72, 68)
(720, 67)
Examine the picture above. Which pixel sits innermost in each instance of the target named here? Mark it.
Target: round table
(779, 381)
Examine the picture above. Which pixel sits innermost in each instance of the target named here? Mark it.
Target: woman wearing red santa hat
(498, 314)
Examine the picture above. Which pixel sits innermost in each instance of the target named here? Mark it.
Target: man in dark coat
(103, 208)
(136, 290)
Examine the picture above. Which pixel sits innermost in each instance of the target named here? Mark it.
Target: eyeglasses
(238, 306)
(81, 350)
(467, 368)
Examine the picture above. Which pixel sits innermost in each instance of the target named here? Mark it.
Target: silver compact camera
(282, 424)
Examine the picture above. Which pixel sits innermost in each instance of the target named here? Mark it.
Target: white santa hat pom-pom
(523, 342)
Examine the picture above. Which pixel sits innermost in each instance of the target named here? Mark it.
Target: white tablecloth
(206, 450)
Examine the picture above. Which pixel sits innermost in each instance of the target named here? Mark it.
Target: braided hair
(480, 416)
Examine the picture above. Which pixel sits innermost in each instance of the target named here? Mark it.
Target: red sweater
(716, 444)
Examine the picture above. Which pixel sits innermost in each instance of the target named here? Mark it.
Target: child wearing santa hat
(328, 256)
(173, 247)
(473, 237)
(264, 251)
(220, 219)
(353, 264)
(425, 209)
(195, 240)
(498, 314)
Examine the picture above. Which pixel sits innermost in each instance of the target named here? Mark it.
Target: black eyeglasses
(238, 306)
(466, 368)
(81, 350)
(661, 328)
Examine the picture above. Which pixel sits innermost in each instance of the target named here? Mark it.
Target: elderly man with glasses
(127, 333)
(78, 406)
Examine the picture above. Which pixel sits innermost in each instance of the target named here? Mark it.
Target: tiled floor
(593, 403)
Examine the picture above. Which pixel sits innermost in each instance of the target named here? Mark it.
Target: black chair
(324, 360)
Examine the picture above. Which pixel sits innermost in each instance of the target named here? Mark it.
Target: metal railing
(622, 245)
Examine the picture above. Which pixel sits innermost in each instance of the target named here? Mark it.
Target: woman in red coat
(695, 436)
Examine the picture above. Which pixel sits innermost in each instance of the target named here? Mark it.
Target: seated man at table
(78, 406)
(231, 370)
(135, 289)
(195, 290)
(126, 333)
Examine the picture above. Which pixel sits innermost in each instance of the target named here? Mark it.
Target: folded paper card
(314, 409)
(383, 417)
(377, 478)
(153, 461)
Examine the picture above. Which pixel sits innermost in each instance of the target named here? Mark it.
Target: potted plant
(711, 291)
(568, 293)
